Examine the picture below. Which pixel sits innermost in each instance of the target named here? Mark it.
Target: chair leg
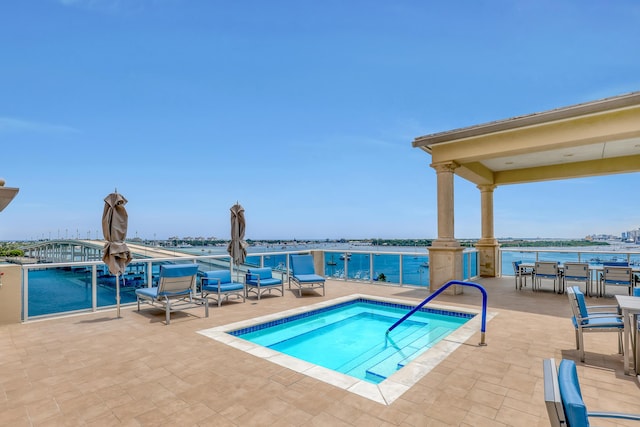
(620, 351)
(581, 344)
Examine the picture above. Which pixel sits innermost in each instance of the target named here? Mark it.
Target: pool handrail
(483, 327)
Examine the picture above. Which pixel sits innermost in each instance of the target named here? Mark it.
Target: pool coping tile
(385, 392)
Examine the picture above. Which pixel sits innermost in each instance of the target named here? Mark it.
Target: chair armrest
(616, 415)
(612, 308)
(602, 315)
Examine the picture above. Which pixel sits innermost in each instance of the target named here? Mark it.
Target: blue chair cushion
(153, 292)
(223, 275)
(178, 270)
(302, 265)
(148, 292)
(265, 275)
(582, 305)
(226, 287)
(309, 278)
(264, 282)
(574, 407)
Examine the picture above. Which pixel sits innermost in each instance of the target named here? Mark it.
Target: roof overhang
(595, 138)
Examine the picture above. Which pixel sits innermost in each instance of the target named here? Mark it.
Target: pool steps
(395, 361)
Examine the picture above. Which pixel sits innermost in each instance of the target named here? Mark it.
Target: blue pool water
(351, 337)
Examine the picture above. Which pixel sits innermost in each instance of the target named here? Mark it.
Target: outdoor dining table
(593, 271)
(630, 307)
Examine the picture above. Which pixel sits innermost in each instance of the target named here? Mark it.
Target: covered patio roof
(594, 138)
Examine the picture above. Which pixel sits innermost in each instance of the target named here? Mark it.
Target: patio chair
(563, 397)
(595, 318)
(303, 274)
(261, 280)
(547, 270)
(218, 285)
(616, 276)
(175, 290)
(521, 272)
(577, 272)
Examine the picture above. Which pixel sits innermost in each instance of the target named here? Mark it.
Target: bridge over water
(70, 250)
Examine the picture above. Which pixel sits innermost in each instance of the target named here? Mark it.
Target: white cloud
(13, 125)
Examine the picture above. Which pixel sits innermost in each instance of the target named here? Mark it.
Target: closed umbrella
(115, 254)
(237, 247)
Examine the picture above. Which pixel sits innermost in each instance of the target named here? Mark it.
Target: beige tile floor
(96, 370)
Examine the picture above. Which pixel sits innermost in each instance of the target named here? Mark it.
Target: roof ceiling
(596, 138)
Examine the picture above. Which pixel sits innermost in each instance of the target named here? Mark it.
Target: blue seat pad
(308, 278)
(264, 282)
(224, 287)
(601, 322)
(153, 292)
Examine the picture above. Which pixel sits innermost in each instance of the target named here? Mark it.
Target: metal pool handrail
(438, 292)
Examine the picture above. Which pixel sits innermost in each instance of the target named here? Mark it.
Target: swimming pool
(382, 311)
(350, 337)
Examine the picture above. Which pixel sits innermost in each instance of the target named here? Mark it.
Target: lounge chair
(175, 290)
(218, 285)
(595, 318)
(303, 274)
(261, 280)
(563, 397)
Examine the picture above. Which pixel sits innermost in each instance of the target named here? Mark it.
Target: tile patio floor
(95, 370)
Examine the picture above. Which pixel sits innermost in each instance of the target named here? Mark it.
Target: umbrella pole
(118, 295)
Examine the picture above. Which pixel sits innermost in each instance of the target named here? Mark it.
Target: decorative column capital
(486, 187)
(445, 167)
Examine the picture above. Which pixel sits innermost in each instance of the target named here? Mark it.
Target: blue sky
(303, 111)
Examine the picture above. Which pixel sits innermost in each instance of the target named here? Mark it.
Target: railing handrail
(483, 326)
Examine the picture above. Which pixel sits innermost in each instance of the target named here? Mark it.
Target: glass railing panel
(508, 257)
(559, 257)
(276, 261)
(599, 258)
(61, 289)
(386, 268)
(469, 264)
(593, 258)
(253, 261)
(465, 266)
(359, 266)
(336, 264)
(415, 270)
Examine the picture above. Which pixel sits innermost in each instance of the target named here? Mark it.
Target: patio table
(630, 307)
